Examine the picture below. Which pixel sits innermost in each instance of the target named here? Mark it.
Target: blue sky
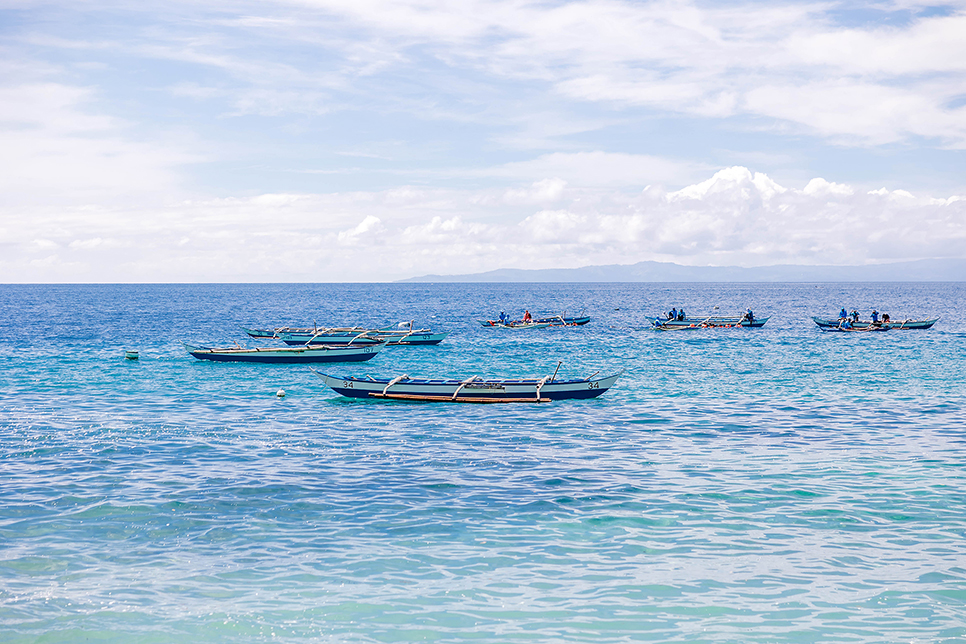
(376, 140)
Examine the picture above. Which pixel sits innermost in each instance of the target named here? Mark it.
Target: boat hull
(894, 324)
(479, 391)
(710, 322)
(287, 355)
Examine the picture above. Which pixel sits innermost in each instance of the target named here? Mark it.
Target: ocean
(773, 485)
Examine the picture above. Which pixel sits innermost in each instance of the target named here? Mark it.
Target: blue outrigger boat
(469, 390)
(288, 355)
(726, 322)
(549, 320)
(349, 335)
(826, 323)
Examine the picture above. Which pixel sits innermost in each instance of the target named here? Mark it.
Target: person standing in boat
(527, 318)
(503, 318)
(875, 318)
(843, 314)
(855, 316)
(749, 316)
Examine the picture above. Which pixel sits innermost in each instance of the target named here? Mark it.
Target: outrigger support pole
(554, 376)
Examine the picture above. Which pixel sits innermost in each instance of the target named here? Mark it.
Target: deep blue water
(778, 485)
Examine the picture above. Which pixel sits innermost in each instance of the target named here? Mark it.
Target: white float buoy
(280, 393)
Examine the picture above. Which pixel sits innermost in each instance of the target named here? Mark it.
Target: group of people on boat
(676, 315)
(505, 319)
(847, 320)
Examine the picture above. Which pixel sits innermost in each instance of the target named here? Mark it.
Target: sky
(375, 140)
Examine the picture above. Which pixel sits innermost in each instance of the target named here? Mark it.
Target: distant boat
(131, 355)
(495, 324)
(549, 320)
(469, 390)
(892, 324)
(288, 355)
(349, 335)
(708, 322)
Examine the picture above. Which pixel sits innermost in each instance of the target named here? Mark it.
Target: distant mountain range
(926, 270)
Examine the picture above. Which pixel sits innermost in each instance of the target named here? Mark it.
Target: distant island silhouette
(925, 270)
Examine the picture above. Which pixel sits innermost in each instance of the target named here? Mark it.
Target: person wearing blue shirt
(843, 313)
(673, 315)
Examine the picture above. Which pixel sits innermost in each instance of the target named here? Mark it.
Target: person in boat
(749, 316)
(855, 316)
(875, 318)
(503, 318)
(885, 318)
(681, 315)
(673, 315)
(843, 314)
(527, 318)
(845, 324)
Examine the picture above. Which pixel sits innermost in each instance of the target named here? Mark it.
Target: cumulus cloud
(734, 217)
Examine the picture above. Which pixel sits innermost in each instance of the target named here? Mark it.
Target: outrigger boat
(708, 322)
(495, 324)
(550, 320)
(470, 390)
(288, 355)
(349, 335)
(891, 324)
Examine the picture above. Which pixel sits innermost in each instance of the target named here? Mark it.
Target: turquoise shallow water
(780, 485)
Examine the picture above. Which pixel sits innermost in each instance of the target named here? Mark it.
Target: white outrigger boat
(288, 355)
(469, 390)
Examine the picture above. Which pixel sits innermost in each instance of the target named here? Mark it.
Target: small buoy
(280, 393)
(131, 355)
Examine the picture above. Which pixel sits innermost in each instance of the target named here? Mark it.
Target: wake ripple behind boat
(288, 355)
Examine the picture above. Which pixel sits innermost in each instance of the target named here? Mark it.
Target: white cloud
(735, 217)
(57, 149)
(369, 226)
(598, 168)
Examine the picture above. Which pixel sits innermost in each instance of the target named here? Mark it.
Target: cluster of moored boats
(357, 344)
